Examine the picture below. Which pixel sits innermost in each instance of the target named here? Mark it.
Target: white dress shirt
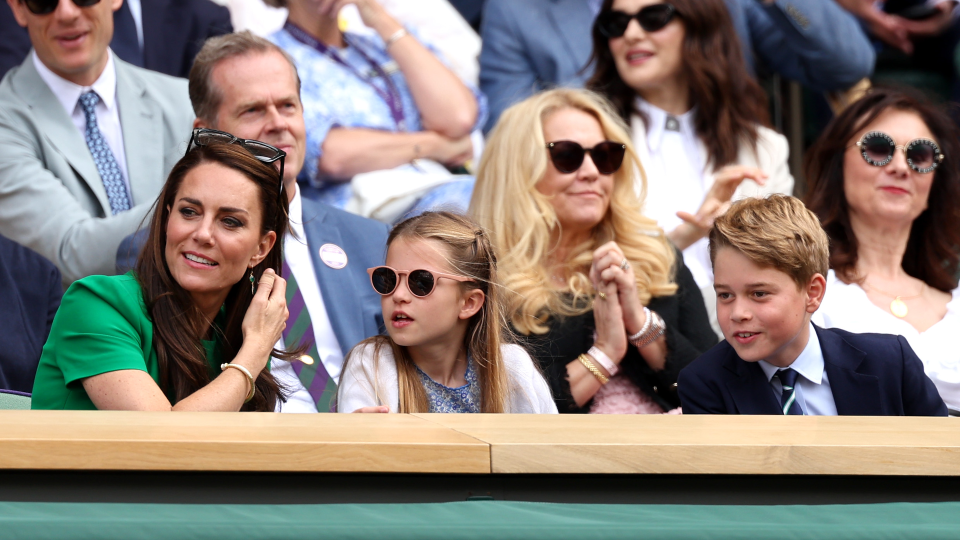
(677, 179)
(297, 253)
(107, 110)
(813, 387)
(848, 307)
(136, 9)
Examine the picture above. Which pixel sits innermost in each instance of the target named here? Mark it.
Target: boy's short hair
(776, 232)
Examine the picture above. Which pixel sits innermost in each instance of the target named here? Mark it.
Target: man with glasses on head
(245, 86)
(86, 140)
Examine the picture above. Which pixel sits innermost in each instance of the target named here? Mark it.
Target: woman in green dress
(206, 289)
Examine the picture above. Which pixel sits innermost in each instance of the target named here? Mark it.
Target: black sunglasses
(260, 150)
(567, 156)
(43, 7)
(421, 283)
(877, 148)
(612, 24)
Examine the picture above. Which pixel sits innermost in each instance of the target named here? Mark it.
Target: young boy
(769, 260)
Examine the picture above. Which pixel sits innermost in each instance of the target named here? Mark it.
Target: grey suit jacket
(52, 199)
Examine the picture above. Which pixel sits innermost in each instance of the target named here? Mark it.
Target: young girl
(443, 313)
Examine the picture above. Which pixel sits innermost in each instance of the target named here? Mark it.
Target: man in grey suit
(531, 45)
(248, 87)
(86, 140)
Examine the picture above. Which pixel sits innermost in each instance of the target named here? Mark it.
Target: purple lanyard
(391, 95)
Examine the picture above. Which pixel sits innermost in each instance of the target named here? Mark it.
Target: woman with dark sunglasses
(593, 286)
(445, 349)
(884, 181)
(675, 73)
(193, 326)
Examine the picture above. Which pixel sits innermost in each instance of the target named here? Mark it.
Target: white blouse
(847, 306)
(366, 382)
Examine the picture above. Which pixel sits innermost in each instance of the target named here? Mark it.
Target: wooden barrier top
(478, 444)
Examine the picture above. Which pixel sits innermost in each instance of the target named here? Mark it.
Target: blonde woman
(592, 284)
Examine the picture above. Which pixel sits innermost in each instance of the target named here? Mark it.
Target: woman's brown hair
(469, 253)
(729, 103)
(176, 319)
(931, 254)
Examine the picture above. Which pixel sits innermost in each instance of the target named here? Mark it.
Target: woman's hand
(267, 315)
(378, 409)
(450, 152)
(608, 318)
(371, 13)
(609, 267)
(716, 202)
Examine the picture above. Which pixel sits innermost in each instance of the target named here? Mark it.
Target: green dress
(102, 325)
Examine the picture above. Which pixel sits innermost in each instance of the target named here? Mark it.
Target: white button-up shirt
(813, 387)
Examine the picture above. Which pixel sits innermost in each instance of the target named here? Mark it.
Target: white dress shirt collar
(295, 211)
(68, 93)
(809, 364)
(657, 124)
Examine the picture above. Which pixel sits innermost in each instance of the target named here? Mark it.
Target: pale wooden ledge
(715, 444)
(478, 444)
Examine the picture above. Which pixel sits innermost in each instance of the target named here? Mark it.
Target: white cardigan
(365, 382)
(667, 193)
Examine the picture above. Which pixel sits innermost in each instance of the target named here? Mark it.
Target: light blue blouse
(443, 399)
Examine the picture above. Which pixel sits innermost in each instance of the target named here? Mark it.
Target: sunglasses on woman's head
(44, 7)
(567, 156)
(421, 283)
(260, 150)
(877, 148)
(613, 24)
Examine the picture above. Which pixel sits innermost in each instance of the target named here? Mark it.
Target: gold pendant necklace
(898, 307)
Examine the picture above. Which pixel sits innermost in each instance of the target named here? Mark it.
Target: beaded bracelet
(651, 331)
(245, 371)
(587, 363)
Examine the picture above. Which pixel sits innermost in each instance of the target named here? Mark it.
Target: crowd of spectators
(354, 209)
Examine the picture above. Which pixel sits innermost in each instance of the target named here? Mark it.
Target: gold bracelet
(587, 363)
(245, 371)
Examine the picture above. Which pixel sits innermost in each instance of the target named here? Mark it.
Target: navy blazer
(351, 303)
(29, 297)
(870, 375)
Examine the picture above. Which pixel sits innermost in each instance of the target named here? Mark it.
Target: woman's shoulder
(112, 293)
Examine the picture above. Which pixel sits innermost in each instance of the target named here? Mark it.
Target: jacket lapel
(58, 129)
(567, 16)
(751, 390)
(855, 394)
(142, 136)
(341, 299)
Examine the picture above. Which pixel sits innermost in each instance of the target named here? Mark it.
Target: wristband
(585, 360)
(395, 37)
(245, 371)
(604, 360)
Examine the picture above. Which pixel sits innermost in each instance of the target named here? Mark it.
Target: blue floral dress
(443, 399)
(349, 95)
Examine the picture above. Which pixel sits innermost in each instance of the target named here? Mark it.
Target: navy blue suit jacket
(351, 303)
(29, 297)
(870, 375)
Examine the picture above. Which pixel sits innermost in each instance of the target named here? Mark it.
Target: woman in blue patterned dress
(376, 102)
(445, 351)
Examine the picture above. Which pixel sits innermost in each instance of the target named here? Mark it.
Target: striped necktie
(299, 331)
(788, 398)
(103, 157)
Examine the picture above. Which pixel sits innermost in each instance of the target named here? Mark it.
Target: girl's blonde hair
(469, 253)
(521, 219)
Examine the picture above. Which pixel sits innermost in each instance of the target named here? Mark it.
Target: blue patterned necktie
(788, 398)
(103, 157)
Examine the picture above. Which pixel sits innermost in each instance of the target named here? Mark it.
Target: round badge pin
(333, 256)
